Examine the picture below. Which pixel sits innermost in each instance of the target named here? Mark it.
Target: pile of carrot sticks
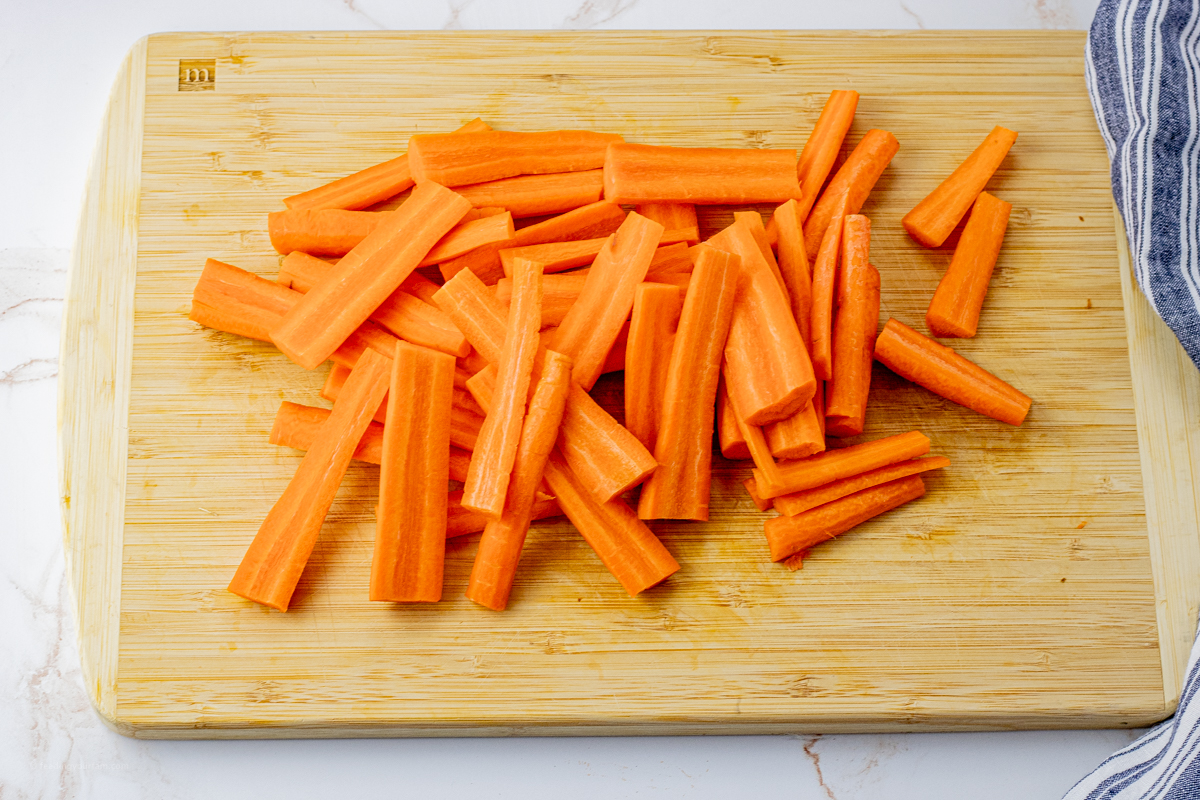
(464, 345)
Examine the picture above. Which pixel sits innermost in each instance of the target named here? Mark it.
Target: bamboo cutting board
(1048, 579)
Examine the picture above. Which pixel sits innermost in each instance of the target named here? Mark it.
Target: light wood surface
(1032, 587)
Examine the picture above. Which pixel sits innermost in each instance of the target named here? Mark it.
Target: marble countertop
(57, 62)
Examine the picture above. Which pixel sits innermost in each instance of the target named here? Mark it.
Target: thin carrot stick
(853, 351)
(761, 503)
(729, 434)
(824, 287)
(800, 435)
(461, 521)
(793, 267)
(799, 502)
(537, 195)
(954, 310)
(756, 443)
(640, 173)
(833, 465)
(656, 309)
(465, 159)
(673, 217)
(850, 187)
(821, 149)
(856, 252)
(559, 293)
(320, 232)
(947, 374)
(671, 256)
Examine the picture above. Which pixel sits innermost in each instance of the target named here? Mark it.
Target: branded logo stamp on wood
(198, 75)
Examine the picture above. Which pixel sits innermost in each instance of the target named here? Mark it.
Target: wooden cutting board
(1048, 579)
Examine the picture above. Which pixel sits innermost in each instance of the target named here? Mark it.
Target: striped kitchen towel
(1143, 73)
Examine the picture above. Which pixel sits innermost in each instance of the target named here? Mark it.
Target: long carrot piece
(673, 217)
(856, 252)
(958, 300)
(369, 186)
(788, 535)
(496, 450)
(325, 316)
(947, 374)
(729, 434)
(933, 219)
(851, 186)
(591, 326)
(499, 552)
(824, 287)
(271, 568)
(799, 502)
(793, 266)
(833, 465)
(641, 173)
(461, 521)
(462, 159)
(656, 309)
(821, 149)
(537, 195)
(800, 435)
(853, 352)
(679, 488)
(410, 531)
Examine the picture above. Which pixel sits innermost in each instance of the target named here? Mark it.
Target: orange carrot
(674, 217)
(799, 502)
(536, 195)
(761, 503)
(499, 552)
(555, 256)
(410, 531)
(853, 351)
(475, 311)
(458, 159)
(559, 293)
(271, 568)
(679, 488)
(733, 444)
(420, 286)
(856, 252)
(850, 187)
(320, 232)
(833, 465)
(656, 309)
(821, 149)
(824, 286)
(640, 173)
(615, 361)
(468, 236)
(754, 222)
(793, 267)
(933, 219)
(954, 310)
(788, 535)
(944, 372)
(756, 443)
(798, 436)
(461, 521)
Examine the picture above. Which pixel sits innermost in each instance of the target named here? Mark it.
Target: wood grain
(988, 604)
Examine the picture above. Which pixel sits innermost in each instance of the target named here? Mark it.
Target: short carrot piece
(850, 187)
(933, 219)
(947, 374)
(559, 293)
(320, 232)
(461, 521)
(833, 465)
(458, 159)
(641, 173)
(674, 217)
(754, 221)
(853, 353)
(800, 435)
(537, 195)
(824, 288)
(958, 300)
(856, 253)
(821, 149)
(756, 443)
(793, 266)
(799, 502)
(729, 434)
(655, 316)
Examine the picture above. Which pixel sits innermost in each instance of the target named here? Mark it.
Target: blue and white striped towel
(1143, 73)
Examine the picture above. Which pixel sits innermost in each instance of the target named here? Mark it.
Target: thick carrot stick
(947, 374)
(320, 232)
(821, 149)
(679, 488)
(798, 436)
(468, 236)
(674, 217)
(499, 552)
(729, 434)
(754, 222)
(954, 310)
(768, 373)
(640, 173)
(933, 219)
(461, 521)
(591, 325)
(420, 286)
(788, 535)
(559, 293)
(474, 309)
(410, 531)
(537, 195)
(331, 310)
(793, 266)
(799, 502)
(496, 450)
(853, 352)
(856, 252)
(463, 159)
(850, 187)
(824, 287)
(756, 443)
(833, 465)
(632, 553)
(369, 186)
(656, 309)
(271, 568)
(555, 256)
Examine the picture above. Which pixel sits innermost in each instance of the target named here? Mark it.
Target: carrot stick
(756, 443)
(615, 361)
(754, 222)
(821, 149)
(947, 374)
(419, 286)
(324, 317)
(474, 309)
(793, 267)
(591, 325)
(632, 553)
(768, 373)
(640, 173)
(656, 309)
(536, 195)
(799, 502)
(369, 186)
(850, 187)
(320, 232)
(499, 552)
(824, 285)
(271, 568)
(461, 521)
(761, 503)
(463, 159)
(833, 465)
(856, 252)
(559, 293)
(853, 351)
(671, 256)
(679, 488)
(468, 236)
(496, 450)
(788, 535)
(798, 436)
(933, 219)
(729, 434)
(954, 310)
(410, 531)
(674, 217)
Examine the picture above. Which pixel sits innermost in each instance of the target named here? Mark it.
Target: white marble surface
(57, 61)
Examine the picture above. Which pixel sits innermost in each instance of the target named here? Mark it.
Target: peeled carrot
(462, 159)
(674, 217)
(833, 465)
(559, 293)
(475, 311)
(495, 564)
(729, 435)
(271, 568)
(461, 521)
(320, 232)
(756, 443)
(947, 374)
(420, 286)
(640, 173)
(656, 309)
(851, 186)
(821, 149)
(536, 195)
(753, 221)
(410, 531)
(853, 352)
(799, 502)
(856, 252)
(824, 287)
(470, 235)
(615, 361)
(933, 219)
(671, 256)
(788, 535)
(761, 503)
(679, 488)
(800, 435)
(958, 300)
(793, 266)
